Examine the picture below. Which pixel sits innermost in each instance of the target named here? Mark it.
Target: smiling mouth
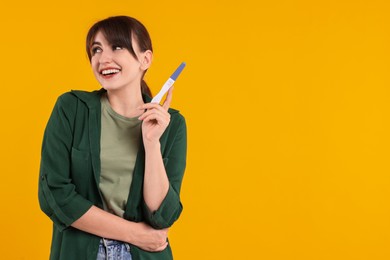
(109, 72)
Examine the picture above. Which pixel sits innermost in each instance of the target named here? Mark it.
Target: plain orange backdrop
(287, 105)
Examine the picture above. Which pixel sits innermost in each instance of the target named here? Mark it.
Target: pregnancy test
(168, 84)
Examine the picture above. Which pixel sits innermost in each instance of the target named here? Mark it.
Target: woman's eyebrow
(96, 43)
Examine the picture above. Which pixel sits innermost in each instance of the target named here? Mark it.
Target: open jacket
(70, 173)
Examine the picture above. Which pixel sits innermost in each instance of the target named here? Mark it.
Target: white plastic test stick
(168, 84)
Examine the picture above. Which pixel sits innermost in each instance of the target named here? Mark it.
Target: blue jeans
(113, 250)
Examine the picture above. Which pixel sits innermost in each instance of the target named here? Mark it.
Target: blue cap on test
(178, 71)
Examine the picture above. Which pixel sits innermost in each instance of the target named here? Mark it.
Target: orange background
(287, 106)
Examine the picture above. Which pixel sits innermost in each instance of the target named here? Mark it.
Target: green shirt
(119, 143)
(70, 173)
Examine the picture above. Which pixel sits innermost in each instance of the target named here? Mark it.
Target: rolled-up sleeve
(175, 162)
(57, 194)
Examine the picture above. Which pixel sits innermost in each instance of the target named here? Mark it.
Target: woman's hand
(103, 224)
(155, 119)
(148, 238)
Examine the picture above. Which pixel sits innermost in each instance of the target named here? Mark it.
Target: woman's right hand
(148, 238)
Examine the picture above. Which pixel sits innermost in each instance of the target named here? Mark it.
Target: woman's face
(114, 66)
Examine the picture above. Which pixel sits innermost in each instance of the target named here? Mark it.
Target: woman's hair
(119, 30)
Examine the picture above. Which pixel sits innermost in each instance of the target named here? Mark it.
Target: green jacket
(70, 170)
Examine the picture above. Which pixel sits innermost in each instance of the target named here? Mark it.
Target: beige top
(119, 142)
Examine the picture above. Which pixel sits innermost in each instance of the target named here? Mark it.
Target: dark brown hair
(119, 30)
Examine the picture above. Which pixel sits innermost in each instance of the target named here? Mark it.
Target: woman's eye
(96, 50)
(117, 47)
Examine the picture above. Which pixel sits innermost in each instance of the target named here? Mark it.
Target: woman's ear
(146, 59)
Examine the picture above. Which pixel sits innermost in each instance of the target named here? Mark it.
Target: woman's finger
(162, 113)
(157, 120)
(162, 247)
(160, 118)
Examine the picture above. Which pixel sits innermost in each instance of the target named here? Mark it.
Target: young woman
(112, 162)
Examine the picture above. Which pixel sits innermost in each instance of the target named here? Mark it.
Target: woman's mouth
(109, 73)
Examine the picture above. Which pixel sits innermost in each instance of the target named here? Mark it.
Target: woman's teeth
(111, 71)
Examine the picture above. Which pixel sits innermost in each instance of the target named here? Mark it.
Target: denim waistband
(112, 249)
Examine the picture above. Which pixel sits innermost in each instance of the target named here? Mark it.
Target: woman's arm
(163, 172)
(101, 223)
(155, 121)
(156, 182)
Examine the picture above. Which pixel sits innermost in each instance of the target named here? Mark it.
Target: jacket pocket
(81, 168)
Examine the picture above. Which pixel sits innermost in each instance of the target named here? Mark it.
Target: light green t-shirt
(120, 138)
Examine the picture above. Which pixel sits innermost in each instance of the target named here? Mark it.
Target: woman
(112, 162)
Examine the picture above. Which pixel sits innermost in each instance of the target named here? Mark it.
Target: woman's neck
(126, 101)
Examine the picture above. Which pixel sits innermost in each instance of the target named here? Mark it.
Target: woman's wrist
(152, 145)
(131, 233)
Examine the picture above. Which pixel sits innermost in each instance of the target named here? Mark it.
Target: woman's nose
(105, 57)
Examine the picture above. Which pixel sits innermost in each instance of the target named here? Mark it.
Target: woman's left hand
(155, 119)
